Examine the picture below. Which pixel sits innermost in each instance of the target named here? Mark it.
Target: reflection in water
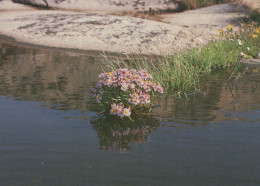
(118, 134)
(53, 77)
(218, 97)
(212, 136)
(62, 80)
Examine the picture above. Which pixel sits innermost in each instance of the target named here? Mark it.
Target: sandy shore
(106, 32)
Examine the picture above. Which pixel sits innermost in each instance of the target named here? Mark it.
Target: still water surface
(49, 134)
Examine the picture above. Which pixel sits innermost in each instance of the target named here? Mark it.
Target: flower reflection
(118, 135)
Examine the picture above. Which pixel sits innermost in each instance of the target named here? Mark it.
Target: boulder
(254, 5)
(107, 5)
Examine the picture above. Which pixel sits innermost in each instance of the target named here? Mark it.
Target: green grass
(181, 72)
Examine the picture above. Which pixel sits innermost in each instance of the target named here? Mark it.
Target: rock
(250, 62)
(114, 33)
(254, 5)
(107, 5)
(92, 31)
(8, 5)
(198, 41)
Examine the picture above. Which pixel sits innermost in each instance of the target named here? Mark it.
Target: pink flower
(127, 111)
(159, 88)
(124, 87)
(117, 109)
(120, 113)
(132, 86)
(127, 85)
(102, 75)
(108, 82)
(147, 88)
(114, 109)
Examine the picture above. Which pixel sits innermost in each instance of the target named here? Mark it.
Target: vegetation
(123, 92)
(181, 73)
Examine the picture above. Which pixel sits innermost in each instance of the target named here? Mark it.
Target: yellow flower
(219, 35)
(239, 42)
(257, 30)
(243, 55)
(229, 27)
(220, 31)
(254, 36)
(234, 15)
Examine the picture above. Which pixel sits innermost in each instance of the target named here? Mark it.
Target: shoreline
(13, 41)
(91, 53)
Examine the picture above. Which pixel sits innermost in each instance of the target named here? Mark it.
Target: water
(49, 134)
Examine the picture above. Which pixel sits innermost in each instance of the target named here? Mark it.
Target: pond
(49, 134)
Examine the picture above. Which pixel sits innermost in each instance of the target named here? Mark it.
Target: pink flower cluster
(119, 110)
(135, 86)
